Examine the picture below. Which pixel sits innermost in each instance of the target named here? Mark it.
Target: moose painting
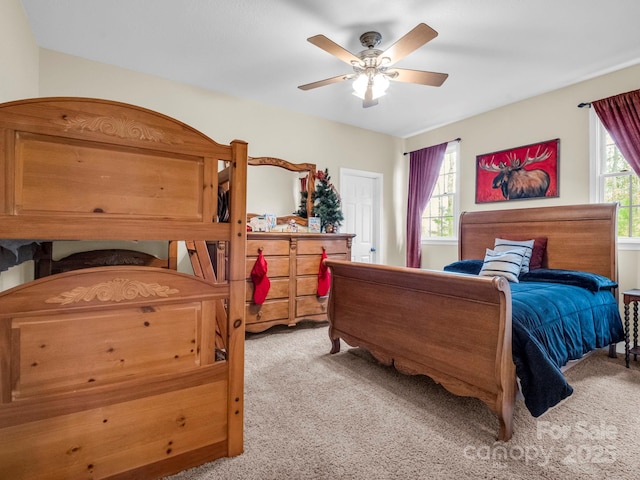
(530, 171)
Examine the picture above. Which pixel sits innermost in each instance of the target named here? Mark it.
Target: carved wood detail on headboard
(122, 127)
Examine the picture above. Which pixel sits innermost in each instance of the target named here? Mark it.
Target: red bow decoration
(261, 282)
(324, 276)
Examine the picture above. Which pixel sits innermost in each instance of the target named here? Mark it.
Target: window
(616, 181)
(439, 219)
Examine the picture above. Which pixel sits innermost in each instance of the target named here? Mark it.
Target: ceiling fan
(372, 68)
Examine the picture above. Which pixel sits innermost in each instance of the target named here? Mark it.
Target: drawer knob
(259, 315)
(324, 307)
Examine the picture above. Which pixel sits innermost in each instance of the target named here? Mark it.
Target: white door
(360, 192)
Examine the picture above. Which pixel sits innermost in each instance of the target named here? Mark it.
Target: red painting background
(484, 179)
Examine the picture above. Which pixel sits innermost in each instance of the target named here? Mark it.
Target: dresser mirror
(275, 188)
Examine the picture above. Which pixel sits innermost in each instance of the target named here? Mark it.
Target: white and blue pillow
(504, 245)
(505, 264)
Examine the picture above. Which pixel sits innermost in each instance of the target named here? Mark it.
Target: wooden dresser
(293, 261)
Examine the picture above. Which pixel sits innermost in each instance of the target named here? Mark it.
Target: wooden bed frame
(116, 371)
(456, 328)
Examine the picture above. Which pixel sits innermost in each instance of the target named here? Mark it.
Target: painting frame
(501, 176)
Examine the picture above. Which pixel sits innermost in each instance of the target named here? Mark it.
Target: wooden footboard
(112, 370)
(455, 329)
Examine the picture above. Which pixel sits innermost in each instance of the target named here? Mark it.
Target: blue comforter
(557, 316)
(570, 322)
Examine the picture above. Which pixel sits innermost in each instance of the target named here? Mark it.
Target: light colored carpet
(312, 415)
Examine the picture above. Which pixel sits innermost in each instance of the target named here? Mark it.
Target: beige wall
(18, 54)
(545, 117)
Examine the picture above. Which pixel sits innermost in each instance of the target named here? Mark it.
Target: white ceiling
(496, 52)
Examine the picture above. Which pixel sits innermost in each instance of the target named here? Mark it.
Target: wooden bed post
(506, 374)
(237, 284)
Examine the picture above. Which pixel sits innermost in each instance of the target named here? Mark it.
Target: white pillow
(503, 264)
(503, 245)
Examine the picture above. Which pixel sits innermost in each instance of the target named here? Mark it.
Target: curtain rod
(454, 140)
(588, 104)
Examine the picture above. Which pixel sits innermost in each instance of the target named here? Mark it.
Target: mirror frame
(292, 167)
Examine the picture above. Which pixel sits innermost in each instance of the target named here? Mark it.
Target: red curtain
(620, 115)
(424, 168)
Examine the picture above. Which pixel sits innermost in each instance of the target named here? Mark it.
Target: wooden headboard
(579, 237)
(94, 163)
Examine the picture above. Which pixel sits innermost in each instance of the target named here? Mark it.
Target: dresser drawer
(311, 305)
(307, 247)
(276, 266)
(269, 247)
(279, 289)
(269, 310)
(307, 285)
(310, 264)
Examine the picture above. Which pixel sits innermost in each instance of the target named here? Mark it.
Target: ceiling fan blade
(369, 101)
(326, 81)
(433, 79)
(413, 40)
(333, 48)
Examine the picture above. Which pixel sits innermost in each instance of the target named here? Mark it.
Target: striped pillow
(503, 264)
(502, 245)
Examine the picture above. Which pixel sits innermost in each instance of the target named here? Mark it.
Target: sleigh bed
(472, 333)
(118, 371)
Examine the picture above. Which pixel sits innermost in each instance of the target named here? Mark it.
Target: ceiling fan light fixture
(379, 85)
(373, 68)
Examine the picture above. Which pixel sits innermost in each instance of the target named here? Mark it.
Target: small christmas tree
(302, 209)
(327, 203)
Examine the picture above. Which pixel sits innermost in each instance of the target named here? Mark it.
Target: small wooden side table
(631, 296)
